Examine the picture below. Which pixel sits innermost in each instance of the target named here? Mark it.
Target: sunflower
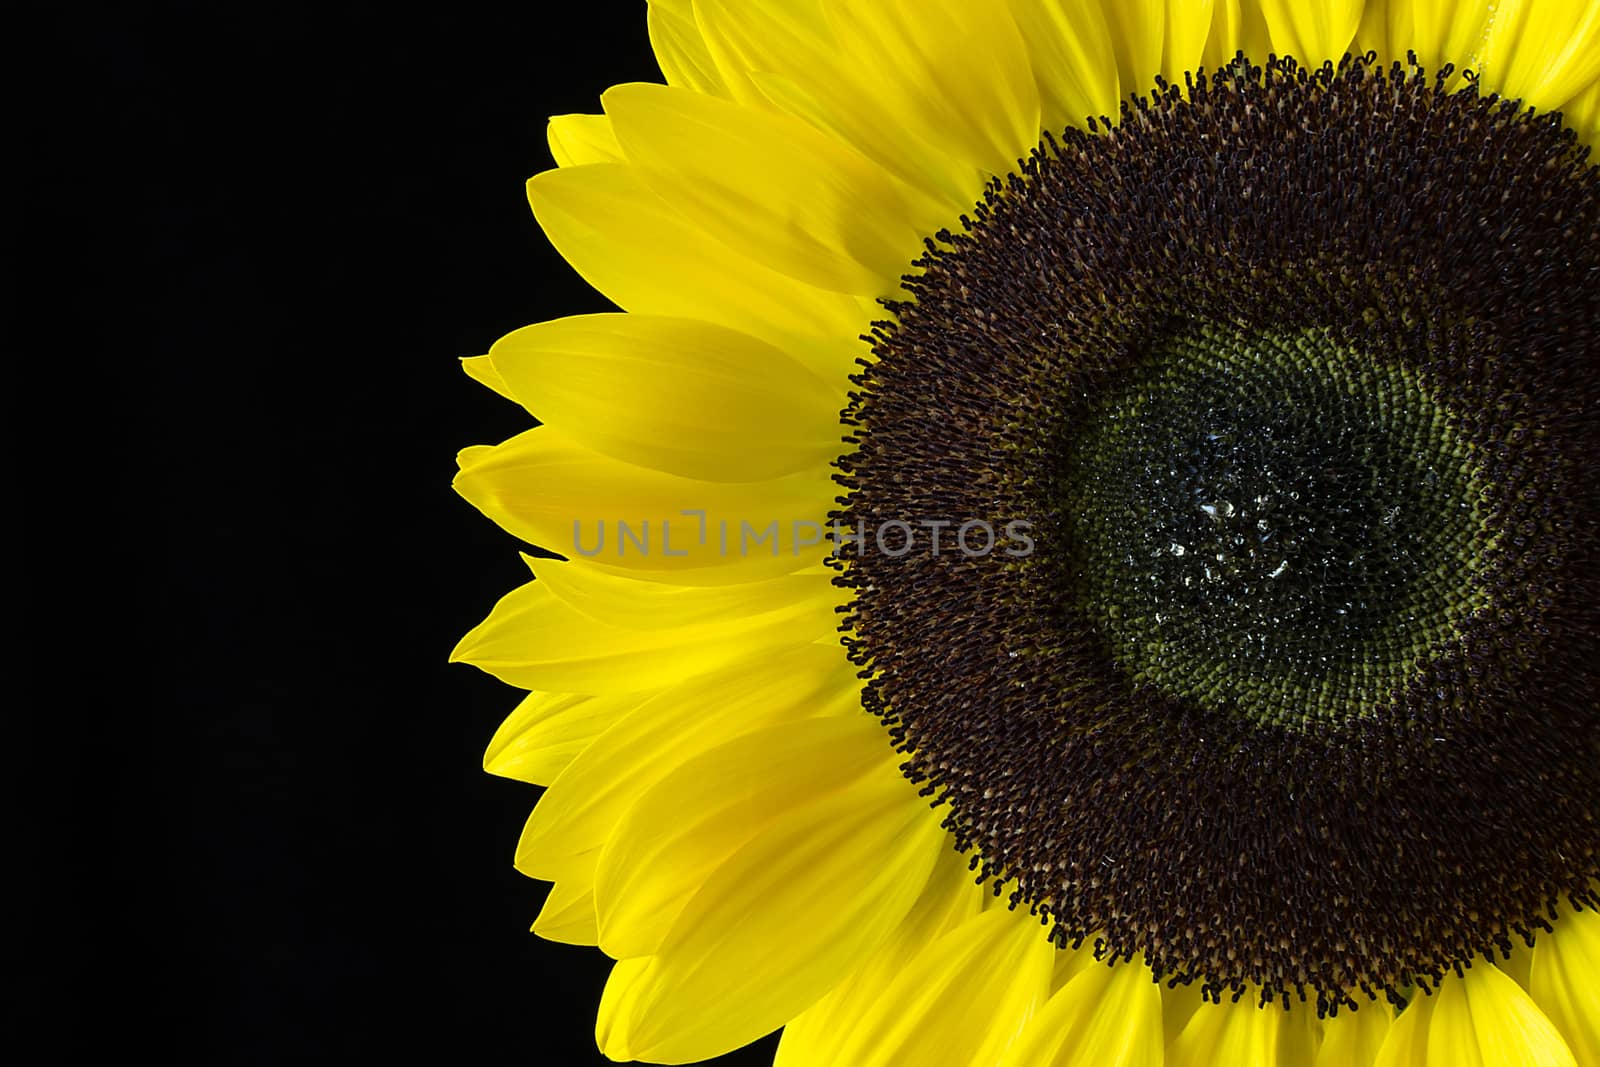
(1082, 545)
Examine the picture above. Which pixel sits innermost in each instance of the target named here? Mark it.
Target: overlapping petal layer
(1481, 1019)
(779, 922)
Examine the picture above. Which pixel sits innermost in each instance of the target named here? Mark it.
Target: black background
(256, 239)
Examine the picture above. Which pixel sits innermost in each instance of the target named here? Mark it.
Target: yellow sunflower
(1081, 547)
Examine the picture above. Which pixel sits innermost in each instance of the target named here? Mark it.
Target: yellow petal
(1072, 57)
(612, 1023)
(815, 1037)
(568, 915)
(533, 639)
(549, 490)
(1439, 31)
(576, 140)
(481, 370)
(1239, 1032)
(682, 396)
(745, 38)
(805, 602)
(778, 923)
(678, 832)
(961, 1000)
(626, 242)
(586, 802)
(1070, 961)
(1385, 29)
(770, 187)
(1138, 37)
(1481, 1020)
(680, 51)
(1236, 26)
(1519, 965)
(1187, 26)
(1542, 52)
(787, 55)
(1582, 115)
(548, 730)
(1564, 980)
(955, 72)
(1312, 31)
(1352, 1038)
(1179, 1005)
(1104, 1017)
(937, 187)
(914, 89)
(765, 37)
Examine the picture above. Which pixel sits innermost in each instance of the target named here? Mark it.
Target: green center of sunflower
(1271, 524)
(1292, 378)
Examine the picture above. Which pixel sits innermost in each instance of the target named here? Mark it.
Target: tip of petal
(463, 651)
(471, 456)
(481, 370)
(611, 1023)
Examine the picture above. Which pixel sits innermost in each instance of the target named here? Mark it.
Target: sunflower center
(1270, 524)
(1293, 375)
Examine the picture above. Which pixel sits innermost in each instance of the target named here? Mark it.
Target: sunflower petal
(1070, 961)
(1236, 26)
(1069, 43)
(1240, 1032)
(533, 639)
(1138, 35)
(1385, 29)
(1104, 1017)
(1564, 980)
(1542, 52)
(1312, 31)
(1582, 114)
(627, 243)
(769, 185)
(680, 50)
(576, 140)
(779, 922)
(815, 1038)
(1352, 1038)
(1178, 1006)
(549, 490)
(568, 915)
(548, 730)
(1439, 31)
(961, 1000)
(617, 1007)
(481, 370)
(803, 604)
(703, 401)
(938, 187)
(1483, 1019)
(957, 73)
(1187, 27)
(586, 802)
(1518, 966)
(692, 821)
(787, 55)
(746, 38)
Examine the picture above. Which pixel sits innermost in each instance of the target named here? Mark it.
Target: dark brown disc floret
(1283, 391)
